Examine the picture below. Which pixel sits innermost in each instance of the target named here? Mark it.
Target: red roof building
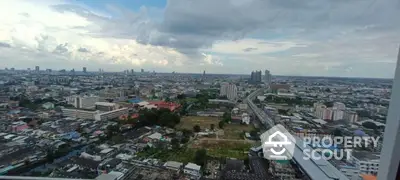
(168, 105)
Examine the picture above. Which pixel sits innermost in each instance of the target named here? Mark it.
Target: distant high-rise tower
(255, 77)
(142, 70)
(267, 77)
(84, 69)
(132, 71)
(204, 73)
(258, 77)
(37, 68)
(229, 90)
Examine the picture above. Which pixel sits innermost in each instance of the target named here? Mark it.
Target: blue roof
(359, 133)
(71, 135)
(135, 100)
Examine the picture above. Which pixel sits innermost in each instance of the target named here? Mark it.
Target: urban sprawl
(163, 126)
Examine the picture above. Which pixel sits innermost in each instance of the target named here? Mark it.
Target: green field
(231, 131)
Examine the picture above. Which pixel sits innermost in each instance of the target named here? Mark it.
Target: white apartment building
(339, 105)
(111, 114)
(324, 113)
(351, 116)
(80, 114)
(192, 170)
(223, 89)
(366, 162)
(173, 165)
(229, 90)
(105, 106)
(319, 110)
(84, 102)
(338, 114)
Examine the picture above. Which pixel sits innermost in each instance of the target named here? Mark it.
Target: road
(315, 169)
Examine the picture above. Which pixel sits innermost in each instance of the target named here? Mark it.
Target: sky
(357, 38)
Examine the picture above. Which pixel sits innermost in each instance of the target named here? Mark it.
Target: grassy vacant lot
(222, 148)
(188, 122)
(235, 131)
(231, 131)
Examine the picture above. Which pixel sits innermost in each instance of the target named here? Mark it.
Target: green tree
(117, 139)
(131, 120)
(50, 156)
(184, 140)
(227, 117)
(370, 125)
(112, 130)
(221, 124)
(27, 162)
(187, 133)
(196, 128)
(181, 96)
(200, 157)
(337, 132)
(254, 133)
(328, 104)
(175, 143)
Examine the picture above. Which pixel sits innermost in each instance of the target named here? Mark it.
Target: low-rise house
(192, 170)
(173, 165)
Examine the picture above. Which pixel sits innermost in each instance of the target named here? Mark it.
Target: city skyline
(288, 39)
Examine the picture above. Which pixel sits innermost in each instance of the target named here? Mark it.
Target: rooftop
(193, 166)
(366, 155)
(105, 104)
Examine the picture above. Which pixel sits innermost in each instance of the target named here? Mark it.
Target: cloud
(240, 47)
(307, 55)
(314, 37)
(69, 33)
(249, 49)
(211, 60)
(4, 45)
(84, 50)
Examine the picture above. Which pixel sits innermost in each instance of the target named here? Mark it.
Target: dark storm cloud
(198, 24)
(4, 45)
(84, 50)
(61, 48)
(189, 25)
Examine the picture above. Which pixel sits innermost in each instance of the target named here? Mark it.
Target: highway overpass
(315, 169)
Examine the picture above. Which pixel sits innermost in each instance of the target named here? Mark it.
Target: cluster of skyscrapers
(256, 77)
(37, 69)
